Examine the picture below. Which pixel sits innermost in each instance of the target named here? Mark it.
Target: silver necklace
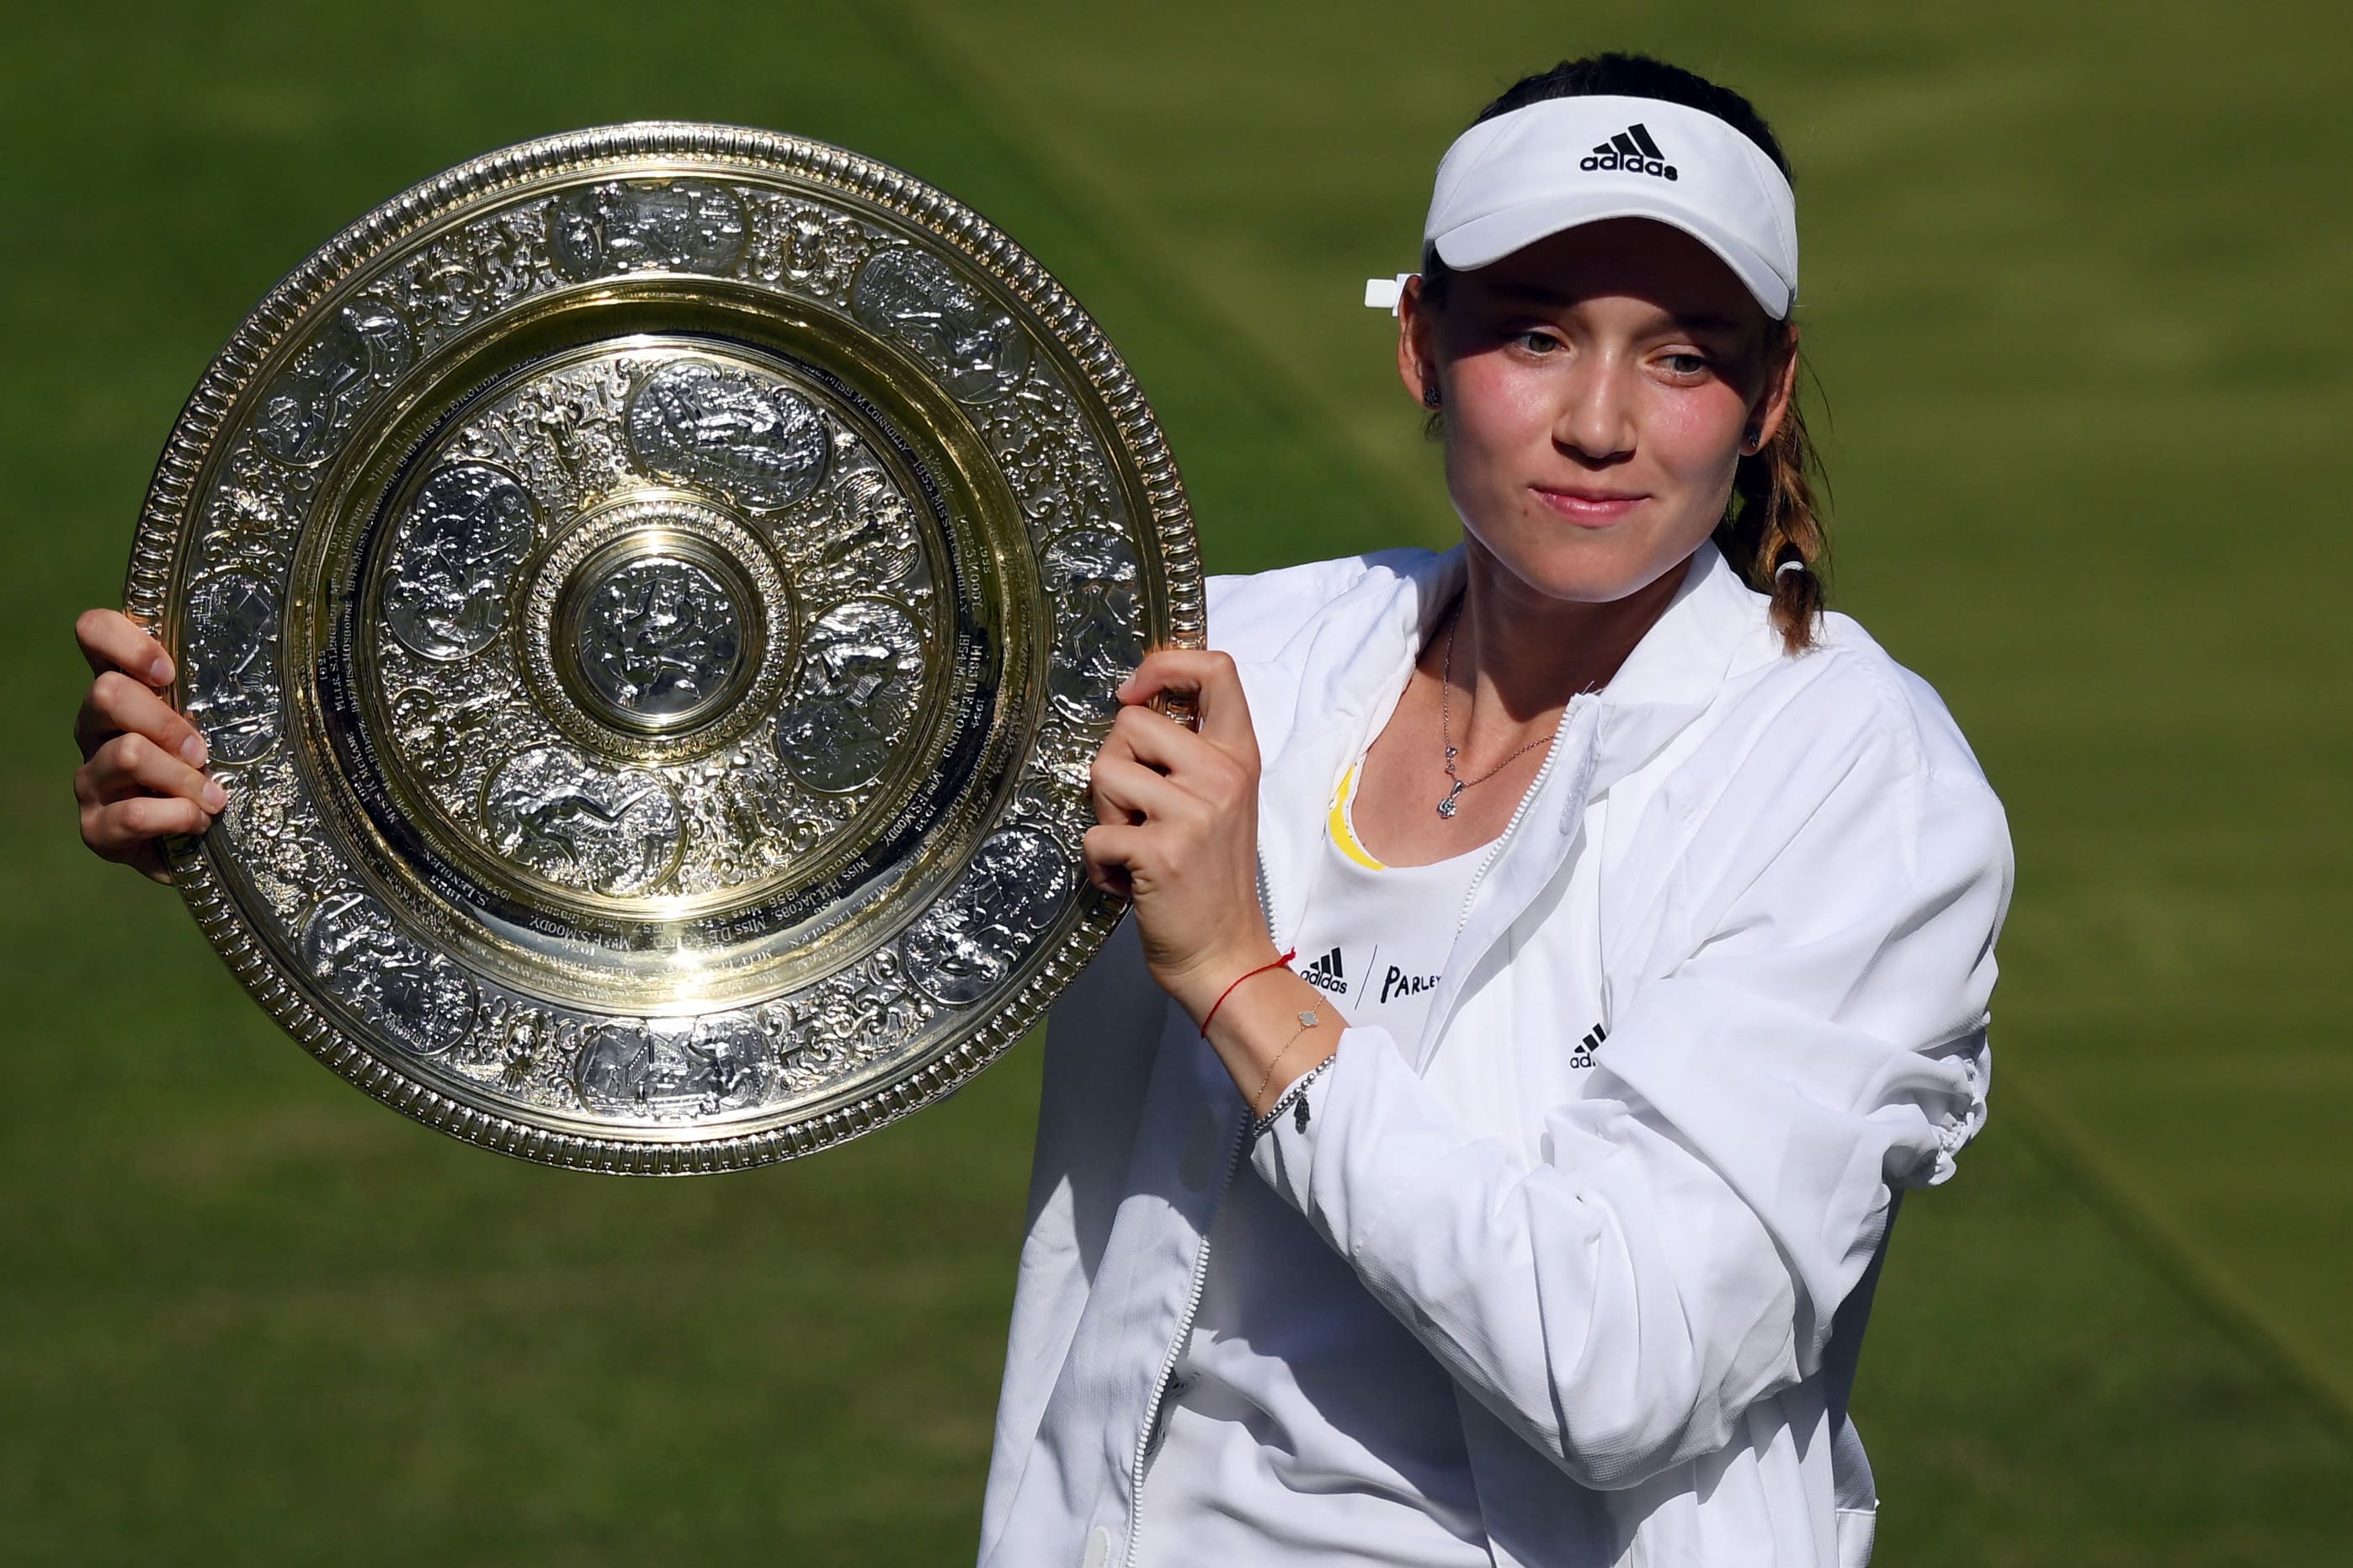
(1446, 728)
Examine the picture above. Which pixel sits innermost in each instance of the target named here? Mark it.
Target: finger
(1105, 851)
(1128, 794)
(1141, 735)
(117, 705)
(1114, 844)
(133, 765)
(1217, 688)
(113, 640)
(118, 830)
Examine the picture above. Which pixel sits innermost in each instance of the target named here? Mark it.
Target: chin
(1591, 567)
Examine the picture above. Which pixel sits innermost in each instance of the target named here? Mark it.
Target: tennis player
(1552, 957)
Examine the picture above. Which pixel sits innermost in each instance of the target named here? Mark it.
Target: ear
(1780, 386)
(1417, 349)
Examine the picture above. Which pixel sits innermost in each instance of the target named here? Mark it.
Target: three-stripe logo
(1630, 149)
(1325, 974)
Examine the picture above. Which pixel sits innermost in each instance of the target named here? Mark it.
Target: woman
(1551, 957)
(1571, 945)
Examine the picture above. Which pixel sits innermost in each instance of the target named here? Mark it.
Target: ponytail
(1773, 533)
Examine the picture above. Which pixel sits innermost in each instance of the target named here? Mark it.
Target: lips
(1588, 508)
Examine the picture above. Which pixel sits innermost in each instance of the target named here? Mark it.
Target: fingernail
(215, 796)
(191, 750)
(159, 670)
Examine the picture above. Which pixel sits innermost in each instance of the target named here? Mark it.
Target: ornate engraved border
(202, 421)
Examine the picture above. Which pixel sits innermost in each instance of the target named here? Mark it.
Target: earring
(1750, 441)
(1429, 398)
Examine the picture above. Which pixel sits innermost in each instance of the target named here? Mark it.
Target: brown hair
(1771, 519)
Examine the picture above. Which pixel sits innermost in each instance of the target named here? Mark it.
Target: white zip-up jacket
(1777, 881)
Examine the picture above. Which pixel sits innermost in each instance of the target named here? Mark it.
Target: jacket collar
(1714, 627)
(1346, 670)
(1351, 663)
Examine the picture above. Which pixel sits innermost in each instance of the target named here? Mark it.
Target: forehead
(1623, 258)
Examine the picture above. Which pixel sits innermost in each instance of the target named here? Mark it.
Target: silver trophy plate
(653, 596)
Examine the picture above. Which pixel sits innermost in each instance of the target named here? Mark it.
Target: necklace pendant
(1446, 806)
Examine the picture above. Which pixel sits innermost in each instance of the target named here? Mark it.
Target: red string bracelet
(1228, 991)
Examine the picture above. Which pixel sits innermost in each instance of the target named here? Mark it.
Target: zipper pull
(1177, 1386)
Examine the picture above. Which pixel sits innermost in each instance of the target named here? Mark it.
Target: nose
(1596, 417)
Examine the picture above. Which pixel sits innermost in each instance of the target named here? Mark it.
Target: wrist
(1270, 1031)
(1200, 986)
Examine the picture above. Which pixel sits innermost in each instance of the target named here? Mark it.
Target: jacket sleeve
(1808, 1034)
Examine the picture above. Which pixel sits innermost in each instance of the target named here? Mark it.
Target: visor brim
(1485, 240)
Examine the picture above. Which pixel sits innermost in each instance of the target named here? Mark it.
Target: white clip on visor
(1513, 179)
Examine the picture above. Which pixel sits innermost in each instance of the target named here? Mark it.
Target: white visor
(1513, 179)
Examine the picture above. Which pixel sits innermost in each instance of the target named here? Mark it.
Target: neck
(1522, 654)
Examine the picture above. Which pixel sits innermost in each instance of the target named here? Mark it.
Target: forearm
(1617, 1306)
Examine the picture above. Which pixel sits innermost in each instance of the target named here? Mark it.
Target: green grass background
(2075, 288)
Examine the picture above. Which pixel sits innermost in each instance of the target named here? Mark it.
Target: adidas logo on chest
(1630, 149)
(1328, 975)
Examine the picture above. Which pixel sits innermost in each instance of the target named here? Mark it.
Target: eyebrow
(1538, 294)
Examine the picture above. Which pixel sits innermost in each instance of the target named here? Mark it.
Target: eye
(1685, 363)
(1537, 341)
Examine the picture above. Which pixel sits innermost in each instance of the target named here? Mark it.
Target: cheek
(1494, 411)
(1695, 434)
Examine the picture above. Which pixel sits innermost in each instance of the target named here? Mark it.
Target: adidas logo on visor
(1629, 149)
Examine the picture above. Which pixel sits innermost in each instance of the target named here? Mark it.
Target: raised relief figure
(1093, 577)
(747, 436)
(978, 349)
(579, 823)
(307, 411)
(631, 225)
(232, 653)
(659, 637)
(468, 530)
(857, 689)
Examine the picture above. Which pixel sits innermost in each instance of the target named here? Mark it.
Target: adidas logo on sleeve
(1630, 149)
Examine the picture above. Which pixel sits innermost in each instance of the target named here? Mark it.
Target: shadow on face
(1626, 258)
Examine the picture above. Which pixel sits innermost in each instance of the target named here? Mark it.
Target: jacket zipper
(1193, 1292)
(1200, 1282)
(1494, 850)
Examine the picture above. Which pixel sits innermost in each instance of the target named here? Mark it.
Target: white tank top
(1375, 937)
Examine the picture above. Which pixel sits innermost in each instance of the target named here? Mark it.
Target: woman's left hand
(1179, 834)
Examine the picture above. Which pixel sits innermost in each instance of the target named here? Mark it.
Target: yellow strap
(1342, 834)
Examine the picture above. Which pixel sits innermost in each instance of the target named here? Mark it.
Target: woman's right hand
(140, 778)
